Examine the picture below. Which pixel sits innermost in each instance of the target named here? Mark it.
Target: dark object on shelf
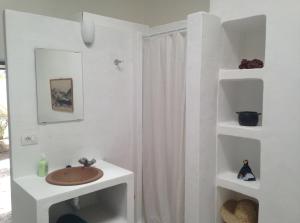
(246, 173)
(251, 64)
(70, 218)
(248, 118)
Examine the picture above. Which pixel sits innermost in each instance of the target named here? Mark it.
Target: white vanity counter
(40, 195)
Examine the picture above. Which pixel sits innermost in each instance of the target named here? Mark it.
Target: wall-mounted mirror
(59, 85)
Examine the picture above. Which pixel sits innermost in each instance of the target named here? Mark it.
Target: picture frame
(62, 94)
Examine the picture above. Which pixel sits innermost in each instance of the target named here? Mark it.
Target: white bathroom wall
(169, 27)
(131, 10)
(141, 11)
(279, 193)
(159, 12)
(203, 44)
(111, 126)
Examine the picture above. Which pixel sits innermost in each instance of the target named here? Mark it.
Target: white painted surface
(43, 195)
(158, 12)
(166, 28)
(279, 201)
(203, 43)
(113, 23)
(131, 10)
(58, 64)
(111, 126)
(229, 181)
(237, 74)
(234, 129)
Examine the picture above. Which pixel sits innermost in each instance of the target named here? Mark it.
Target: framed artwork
(62, 94)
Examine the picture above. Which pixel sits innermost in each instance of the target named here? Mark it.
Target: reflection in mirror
(59, 85)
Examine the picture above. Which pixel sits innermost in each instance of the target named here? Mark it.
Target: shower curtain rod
(166, 32)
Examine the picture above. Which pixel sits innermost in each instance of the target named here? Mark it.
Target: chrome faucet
(86, 163)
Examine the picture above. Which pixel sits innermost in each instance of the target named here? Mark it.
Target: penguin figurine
(246, 173)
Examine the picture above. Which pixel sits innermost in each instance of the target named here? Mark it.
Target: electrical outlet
(27, 140)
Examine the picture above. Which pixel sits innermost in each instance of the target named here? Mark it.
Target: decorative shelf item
(246, 173)
(239, 211)
(225, 195)
(243, 39)
(251, 64)
(248, 118)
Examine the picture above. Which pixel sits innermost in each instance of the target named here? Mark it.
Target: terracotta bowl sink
(74, 176)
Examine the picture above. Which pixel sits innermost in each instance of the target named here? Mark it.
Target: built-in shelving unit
(239, 90)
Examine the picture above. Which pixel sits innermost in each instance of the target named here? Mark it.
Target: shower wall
(203, 44)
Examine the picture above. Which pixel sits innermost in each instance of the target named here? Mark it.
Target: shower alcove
(239, 90)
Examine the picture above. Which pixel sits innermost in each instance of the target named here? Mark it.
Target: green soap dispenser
(43, 167)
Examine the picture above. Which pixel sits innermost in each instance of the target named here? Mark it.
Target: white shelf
(234, 129)
(241, 74)
(229, 181)
(98, 214)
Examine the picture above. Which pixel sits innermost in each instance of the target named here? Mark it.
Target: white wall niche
(239, 95)
(243, 39)
(107, 205)
(233, 150)
(224, 195)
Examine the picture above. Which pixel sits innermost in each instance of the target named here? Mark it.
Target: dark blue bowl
(248, 118)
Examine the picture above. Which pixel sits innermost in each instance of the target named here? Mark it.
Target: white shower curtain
(163, 128)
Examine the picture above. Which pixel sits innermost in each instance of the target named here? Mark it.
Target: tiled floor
(5, 207)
